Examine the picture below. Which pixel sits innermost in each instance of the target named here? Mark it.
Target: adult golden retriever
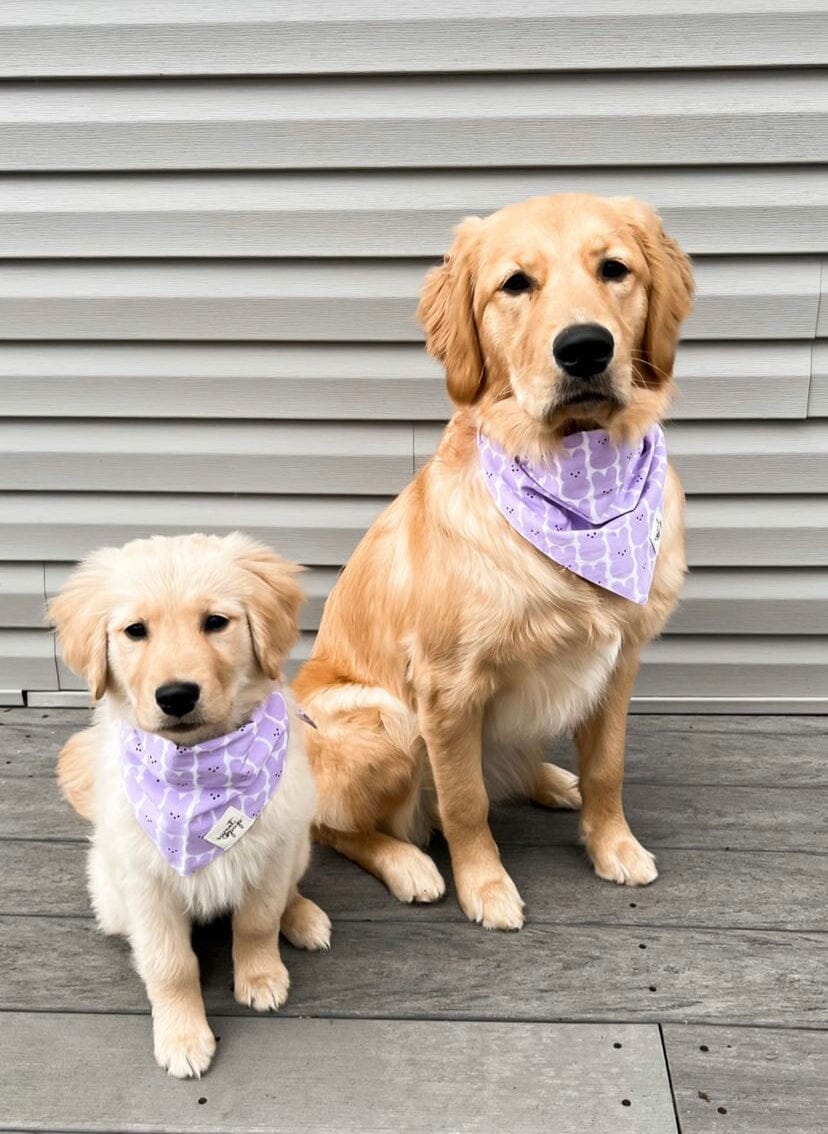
(183, 638)
(451, 650)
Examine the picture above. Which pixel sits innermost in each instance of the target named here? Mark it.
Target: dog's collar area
(195, 802)
(594, 507)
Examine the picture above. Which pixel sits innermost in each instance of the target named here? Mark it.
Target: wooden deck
(695, 1005)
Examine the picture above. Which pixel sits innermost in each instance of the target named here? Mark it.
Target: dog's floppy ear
(79, 614)
(447, 315)
(670, 295)
(272, 598)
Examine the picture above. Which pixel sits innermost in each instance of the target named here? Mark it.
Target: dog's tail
(76, 772)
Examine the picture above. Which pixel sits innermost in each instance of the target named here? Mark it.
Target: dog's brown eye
(614, 270)
(214, 622)
(136, 631)
(516, 284)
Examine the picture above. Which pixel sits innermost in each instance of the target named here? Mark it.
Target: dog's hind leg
(409, 874)
(368, 763)
(76, 771)
(106, 891)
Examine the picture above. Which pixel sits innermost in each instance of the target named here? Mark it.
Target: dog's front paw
(621, 858)
(184, 1049)
(305, 925)
(264, 990)
(411, 875)
(492, 901)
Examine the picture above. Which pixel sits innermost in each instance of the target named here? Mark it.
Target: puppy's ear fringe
(446, 314)
(670, 294)
(79, 615)
(273, 600)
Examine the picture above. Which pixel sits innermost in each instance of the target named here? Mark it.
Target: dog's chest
(546, 697)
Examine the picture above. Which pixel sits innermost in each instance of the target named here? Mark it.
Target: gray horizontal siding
(261, 36)
(753, 601)
(818, 404)
(385, 213)
(341, 381)
(214, 222)
(822, 322)
(699, 666)
(723, 531)
(734, 600)
(761, 668)
(691, 118)
(22, 594)
(374, 459)
(175, 457)
(765, 297)
(27, 660)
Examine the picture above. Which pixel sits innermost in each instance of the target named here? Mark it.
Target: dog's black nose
(583, 350)
(177, 698)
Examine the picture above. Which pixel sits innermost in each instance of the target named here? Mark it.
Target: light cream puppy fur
(170, 586)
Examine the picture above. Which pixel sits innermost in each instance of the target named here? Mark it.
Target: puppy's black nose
(177, 698)
(583, 350)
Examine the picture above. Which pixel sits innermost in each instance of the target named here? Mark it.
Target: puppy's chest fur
(221, 885)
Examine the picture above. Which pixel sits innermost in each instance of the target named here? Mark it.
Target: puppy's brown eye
(136, 631)
(614, 270)
(516, 284)
(214, 622)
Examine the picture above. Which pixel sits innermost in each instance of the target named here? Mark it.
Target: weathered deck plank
(342, 1076)
(740, 750)
(702, 888)
(662, 815)
(730, 939)
(452, 971)
(748, 1080)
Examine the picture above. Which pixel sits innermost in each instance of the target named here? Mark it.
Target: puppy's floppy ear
(670, 294)
(79, 614)
(272, 598)
(447, 316)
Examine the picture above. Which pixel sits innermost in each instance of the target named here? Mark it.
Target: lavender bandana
(195, 803)
(594, 508)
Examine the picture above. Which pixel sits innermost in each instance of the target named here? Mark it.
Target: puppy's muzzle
(177, 698)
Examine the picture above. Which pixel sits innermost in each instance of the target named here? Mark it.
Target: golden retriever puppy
(471, 624)
(194, 772)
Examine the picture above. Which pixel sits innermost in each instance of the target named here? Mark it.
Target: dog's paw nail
(495, 904)
(625, 861)
(185, 1055)
(413, 877)
(265, 992)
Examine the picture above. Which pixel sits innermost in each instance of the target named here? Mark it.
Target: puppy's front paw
(621, 858)
(264, 990)
(492, 901)
(305, 925)
(184, 1049)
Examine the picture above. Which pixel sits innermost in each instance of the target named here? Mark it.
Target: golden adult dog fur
(219, 614)
(450, 649)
